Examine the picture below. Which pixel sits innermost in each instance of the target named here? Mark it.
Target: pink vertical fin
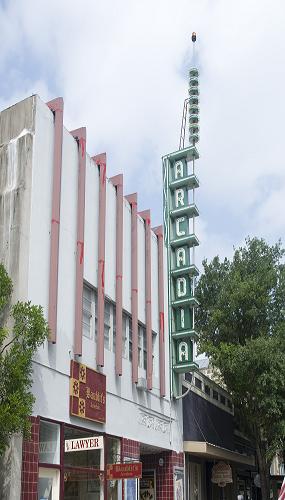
(149, 365)
(118, 183)
(80, 136)
(159, 233)
(56, 106)
(132, 199)
(100, 161)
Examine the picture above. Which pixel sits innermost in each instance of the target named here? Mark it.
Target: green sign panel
(180, 211)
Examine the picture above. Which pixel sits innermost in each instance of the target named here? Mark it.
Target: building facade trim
(56, 106)
(133, 201)
(159, 233)
(145, 215)
(100, 161)
(80, 136)
(117, 181)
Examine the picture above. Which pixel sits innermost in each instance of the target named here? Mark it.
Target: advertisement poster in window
(178, 483)
(147, 486)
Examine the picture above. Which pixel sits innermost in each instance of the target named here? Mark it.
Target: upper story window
(155, 362)
(142, 347)
(87, 312)
(207, 390)
(130, 340)
(107, 324)
(198, 383)
(125, 335)
(215, 395)
(142, 343)
(89, 318)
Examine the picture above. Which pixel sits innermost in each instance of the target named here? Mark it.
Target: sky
(122, 68)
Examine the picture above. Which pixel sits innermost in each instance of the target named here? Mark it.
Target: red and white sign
(124, 471)
(83, 444)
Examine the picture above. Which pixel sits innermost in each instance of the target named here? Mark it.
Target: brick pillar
(164, 473)
(30, 464)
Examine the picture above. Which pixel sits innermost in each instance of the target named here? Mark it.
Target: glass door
(48, 485)
(195, 481)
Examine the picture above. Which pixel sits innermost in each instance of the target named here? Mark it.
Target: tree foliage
(18, 344)
(241, 321)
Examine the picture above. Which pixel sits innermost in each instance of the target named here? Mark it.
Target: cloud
(121, 67)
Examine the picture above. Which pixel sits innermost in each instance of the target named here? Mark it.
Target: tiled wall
(30, 463)
(164, 473)
(130, 449)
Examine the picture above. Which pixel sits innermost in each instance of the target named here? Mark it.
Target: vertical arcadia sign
(180, 211)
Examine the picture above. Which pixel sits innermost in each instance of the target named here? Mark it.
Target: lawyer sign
(83, 444)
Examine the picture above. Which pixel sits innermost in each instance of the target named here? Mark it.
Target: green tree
(18, 344)
(241, 320)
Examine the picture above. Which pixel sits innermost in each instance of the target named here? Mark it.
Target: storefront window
(114, 488)
(48, 484)
(81, 469)
(49, 446)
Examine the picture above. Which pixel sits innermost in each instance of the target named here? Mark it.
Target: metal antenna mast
(191, 104)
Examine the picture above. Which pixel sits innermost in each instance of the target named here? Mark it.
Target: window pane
(114, 328)
(140, 336)
(107, 323)
(87, 311)
(96, 312)
(125, 333)
(49, 445)
(207, 390)
(130, 340)
(198, 383)
(144, 349)
(113, 450)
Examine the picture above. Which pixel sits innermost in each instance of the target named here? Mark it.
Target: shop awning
(212, 452)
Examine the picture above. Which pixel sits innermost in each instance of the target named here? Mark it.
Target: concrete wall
(139, 415)
(17, 129)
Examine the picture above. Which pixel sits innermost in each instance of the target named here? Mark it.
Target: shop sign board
(124, 471)
(87, 393)
(83, 444)
(222, 474)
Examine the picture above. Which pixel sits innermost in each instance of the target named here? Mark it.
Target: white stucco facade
(27, 142)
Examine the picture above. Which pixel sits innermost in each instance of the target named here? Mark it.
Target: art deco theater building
(74, 242)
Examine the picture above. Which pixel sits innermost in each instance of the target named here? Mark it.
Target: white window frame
(86, 311)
